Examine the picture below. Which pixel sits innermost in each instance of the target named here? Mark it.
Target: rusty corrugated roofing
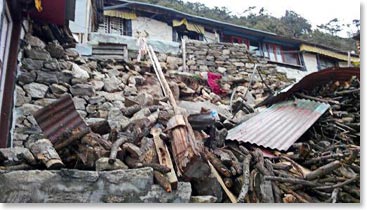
(310, 81)
(60, 119)
(279, 126)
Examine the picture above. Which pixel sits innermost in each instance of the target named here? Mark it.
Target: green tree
(296, 24)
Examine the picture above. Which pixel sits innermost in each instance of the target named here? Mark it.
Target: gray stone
(65, 76)
(79, 103)
(66, 65)
(90, 121)
(55, 50)
(111, 84)
(158, 195)
(239, 64)
(98, 85)
(116, 119)
(79, 73)
(221, 70)
(208, 186)
(173, 62)
(20, 97)
(46, 77)
(29, 109)
(130, 90)
(58, 89)
(36, 90)
(92, 65)
(71, 52)
(34, 41)
(15, 156)
(37, 54)
(26, 77)
(52, 64)
(117, 96)
(103, 165)
(76, 186)
(82, 90)
(96, 100)
(44, 101)
(203, 199)
(82, 113)
(31, 64)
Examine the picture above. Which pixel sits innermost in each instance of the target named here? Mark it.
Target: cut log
(230, 195)
(162, 181)
(217, 164)
(132, 149)
(115, 148)
(164, 157)
(323, 170)
(46, 153)
(246, 179)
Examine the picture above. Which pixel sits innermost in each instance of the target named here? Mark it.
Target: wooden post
(46, 153)
(186, 152)
(184, 55)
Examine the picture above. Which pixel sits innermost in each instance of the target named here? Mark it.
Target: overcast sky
(315, 11)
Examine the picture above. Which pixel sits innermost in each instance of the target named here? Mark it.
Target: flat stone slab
(76, 186)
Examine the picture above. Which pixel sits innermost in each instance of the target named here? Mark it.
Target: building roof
(265, 35)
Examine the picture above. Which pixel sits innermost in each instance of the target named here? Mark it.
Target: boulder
(52, 64)
(57, 89)
(31, 64)
(82, 90)
(79, 103)
(26, 77)
(55, 50)
(20, 97)
(71, 52)
(111, 84)
(34, 41)
(37, 54)
(79, 73)
(36, 90)
(46, 77)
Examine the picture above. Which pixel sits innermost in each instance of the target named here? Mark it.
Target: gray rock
(111, 84)
(31, 64)
(37, 54)
(44, 101)
(26, 77)
(117, 96)
(66, 65)
(15, 156)
(64, 76)
(116, 119)
(52, 64)
(239, 64)
(221, 70)
(20, 97)
(46, 77)
(71, 52)
(158, 195)
(55, 50)
(208, 186)
(173, 62)
(58, 89)
(103, 165)
(79, 73)
(36, 90)
(79, 103)
(203, 199)
(82, 90)
(29, 109)
(34, 41)
(90, 121)
(96, 100)
(76, 186)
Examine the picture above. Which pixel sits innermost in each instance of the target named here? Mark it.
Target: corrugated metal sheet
(60, 119)
(279, 126)
(310, 81)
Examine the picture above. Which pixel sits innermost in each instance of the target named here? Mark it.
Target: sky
(315, 11)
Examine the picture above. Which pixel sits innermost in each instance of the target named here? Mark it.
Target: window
(326, 62)
(115, 25)
(178, 33)
(281, 54)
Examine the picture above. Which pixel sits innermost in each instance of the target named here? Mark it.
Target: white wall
(310, 62)
(210, 37)
(293, 73)
(81, 24)
(156, 29)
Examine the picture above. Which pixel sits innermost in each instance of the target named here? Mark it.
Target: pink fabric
(213, 83)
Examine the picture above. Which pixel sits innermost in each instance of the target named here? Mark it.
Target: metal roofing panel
(60, 119)
(279, 126)
(310, 81)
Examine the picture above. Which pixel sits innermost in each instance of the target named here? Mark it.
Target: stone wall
(75, 186)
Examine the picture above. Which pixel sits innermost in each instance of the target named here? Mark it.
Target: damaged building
(133, 102)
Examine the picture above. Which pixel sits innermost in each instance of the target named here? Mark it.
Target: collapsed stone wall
(99, 87)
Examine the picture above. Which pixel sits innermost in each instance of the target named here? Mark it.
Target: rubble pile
(135, 119)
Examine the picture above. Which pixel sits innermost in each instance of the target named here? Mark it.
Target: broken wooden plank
(230, 195)
(164, 157)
